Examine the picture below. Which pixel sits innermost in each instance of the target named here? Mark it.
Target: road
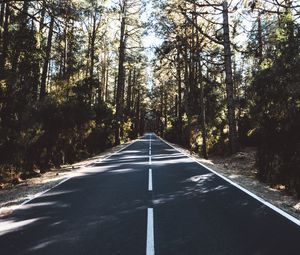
(147, 199)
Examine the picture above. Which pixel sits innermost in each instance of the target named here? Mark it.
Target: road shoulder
(11, 198)
(280, 199)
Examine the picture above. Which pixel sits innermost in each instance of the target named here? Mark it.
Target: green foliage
(53, 132)
(266, 83)
(277, 114)
(58, 68)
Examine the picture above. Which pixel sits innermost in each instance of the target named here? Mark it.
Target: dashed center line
(150, 188)
(150, 227)
(150, 233)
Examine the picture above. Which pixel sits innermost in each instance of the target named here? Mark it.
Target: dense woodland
(228, 76)
(76, 78)
(72, 80)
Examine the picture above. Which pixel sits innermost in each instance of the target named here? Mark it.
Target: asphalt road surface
(147, 199)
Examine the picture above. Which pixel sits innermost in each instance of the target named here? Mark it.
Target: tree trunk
(259, 37)
(202, 116)
(106, 81)
(161, 112)
(2, 11)
(179, 94)
(65, 53)
(103, 79)
(47, 60)
(92, 48)
(229, 82)
(122, 106)
(87, 66)
(176, 107)
(137, 116)
(115, 91)
(121, 78)
(203, 121)
(165, 111)
(14, 74)
(43, 12)
(186, 97)
(4, 52)
(19, 44)
(129, 89)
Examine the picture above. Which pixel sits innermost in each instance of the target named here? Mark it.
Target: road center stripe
(150, 180)
(150, 233)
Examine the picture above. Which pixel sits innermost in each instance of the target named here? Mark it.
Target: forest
(76, 78)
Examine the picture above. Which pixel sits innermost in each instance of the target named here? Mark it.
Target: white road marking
(266, 203)
(150, 188)
(150, 160)
(150, 233)
(43, 192)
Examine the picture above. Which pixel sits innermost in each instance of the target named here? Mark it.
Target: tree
(65, 54)
(189, 31)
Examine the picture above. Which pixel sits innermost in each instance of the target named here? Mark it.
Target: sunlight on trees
(224, 80)
(76, 77)
(59, 67)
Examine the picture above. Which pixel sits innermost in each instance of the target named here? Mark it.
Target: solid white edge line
(70, 177)
(43, 192)
(150, 187)
(268, 204)
(150, 233)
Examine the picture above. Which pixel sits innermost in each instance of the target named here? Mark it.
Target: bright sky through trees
(150, 41)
